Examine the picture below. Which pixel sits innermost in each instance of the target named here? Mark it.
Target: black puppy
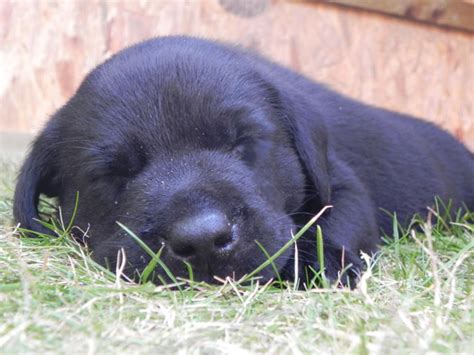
(203, 149)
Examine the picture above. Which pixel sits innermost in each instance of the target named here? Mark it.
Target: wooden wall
(46, 48)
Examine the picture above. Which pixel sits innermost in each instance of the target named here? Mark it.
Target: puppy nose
(201, 235)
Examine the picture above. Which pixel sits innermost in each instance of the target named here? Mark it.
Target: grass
(416, 297)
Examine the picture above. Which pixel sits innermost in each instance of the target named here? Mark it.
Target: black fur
(202, 148)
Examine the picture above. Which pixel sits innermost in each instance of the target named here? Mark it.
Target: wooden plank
(426, 71)
(456, 14)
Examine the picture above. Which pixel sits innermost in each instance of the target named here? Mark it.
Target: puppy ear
(311, 141)
(310, 138)
(37, 175)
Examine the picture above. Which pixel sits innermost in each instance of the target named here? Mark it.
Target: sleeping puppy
(202, 149)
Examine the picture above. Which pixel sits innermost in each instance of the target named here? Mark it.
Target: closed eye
(116, 164)
(243, 149)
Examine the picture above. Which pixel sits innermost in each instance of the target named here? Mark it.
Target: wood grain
(452, 13)
(46, 48)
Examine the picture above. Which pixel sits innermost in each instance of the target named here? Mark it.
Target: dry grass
(416, 297)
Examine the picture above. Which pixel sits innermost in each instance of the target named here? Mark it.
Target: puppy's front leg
(350, 227)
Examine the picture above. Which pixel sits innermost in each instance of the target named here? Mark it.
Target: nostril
(222, 240)
(184, 251)
(201, 235)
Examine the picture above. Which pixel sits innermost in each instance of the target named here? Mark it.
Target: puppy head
(192, 148)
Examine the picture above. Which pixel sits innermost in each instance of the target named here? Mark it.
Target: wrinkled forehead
(184, 116)
(188, 99)
(204, 97)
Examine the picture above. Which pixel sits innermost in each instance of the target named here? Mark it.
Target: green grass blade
(150, 252)
(190, 271)
(293, 240)
(74, 212)
(275, 269)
